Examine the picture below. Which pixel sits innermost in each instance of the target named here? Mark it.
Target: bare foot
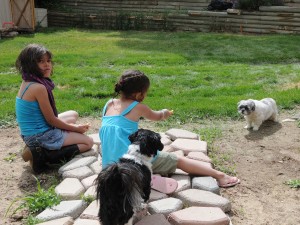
(228, 181)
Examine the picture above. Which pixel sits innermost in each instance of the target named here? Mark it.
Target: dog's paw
(255, 128)
(247, 127)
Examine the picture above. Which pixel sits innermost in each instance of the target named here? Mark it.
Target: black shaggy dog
(124, 187)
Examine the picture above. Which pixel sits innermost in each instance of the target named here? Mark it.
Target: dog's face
(148, 141)
(246, 107)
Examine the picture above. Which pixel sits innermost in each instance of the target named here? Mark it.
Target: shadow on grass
(196, 46)
(226, 48)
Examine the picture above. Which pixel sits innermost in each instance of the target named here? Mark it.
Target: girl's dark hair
(132, 81)
(27, 61)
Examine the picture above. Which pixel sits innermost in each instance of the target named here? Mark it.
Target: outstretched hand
(167, 113)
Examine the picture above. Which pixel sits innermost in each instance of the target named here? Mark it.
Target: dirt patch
(264, 161)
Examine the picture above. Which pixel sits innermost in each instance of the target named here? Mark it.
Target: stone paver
(179, 133)
(199, 216)
(91, 212)
(96, 167)
(65, 208)
(178, 153)
(184, 182)
(70, 189)
(195, 197)
(76, 163)
(79, 173)
(168, 148)
(206, 184)
(62, 221)
(156, 219)
(155, 195)
(165, 206)
(165, 141)
(91, 192)
(189, 145)
(89, 181)
(180, 172)
(163, 135)
(87, 222)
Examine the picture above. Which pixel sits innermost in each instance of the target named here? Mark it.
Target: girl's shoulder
(30, 90)
(31, 87)
(37, 86)
(142, 107)
(36, 89)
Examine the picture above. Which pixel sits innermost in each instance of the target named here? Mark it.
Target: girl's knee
(90, 142)
(70, 116)
(73, 114)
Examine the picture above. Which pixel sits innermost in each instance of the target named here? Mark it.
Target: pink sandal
(163, 184)
(232, 181)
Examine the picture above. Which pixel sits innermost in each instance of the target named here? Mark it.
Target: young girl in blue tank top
(120, 119)
(40, 124)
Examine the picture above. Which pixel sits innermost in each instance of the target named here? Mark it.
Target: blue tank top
(30, 118)
(114, 133)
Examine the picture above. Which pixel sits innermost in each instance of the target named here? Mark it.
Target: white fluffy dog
(257, 111)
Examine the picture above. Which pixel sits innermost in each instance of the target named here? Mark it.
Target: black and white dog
(124, 187)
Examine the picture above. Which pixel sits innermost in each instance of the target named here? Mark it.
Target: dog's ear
(150, 143)
(252, 106)
(157, 142)
(154, 143)
(133, 137)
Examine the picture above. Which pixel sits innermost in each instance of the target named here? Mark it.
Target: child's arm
(41, 96)
(150, 114)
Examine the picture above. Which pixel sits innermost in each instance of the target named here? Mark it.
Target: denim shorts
(52, 139)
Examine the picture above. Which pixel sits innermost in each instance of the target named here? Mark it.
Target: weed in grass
(8, 121)
(230, 170)
(88, 199)
(221, 160)
(37, 201)
(11, 157)
(294, 183)
(31, 220)
(210, 134)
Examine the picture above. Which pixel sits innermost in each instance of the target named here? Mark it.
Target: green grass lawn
(196, 74)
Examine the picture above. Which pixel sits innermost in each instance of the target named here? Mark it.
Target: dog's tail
(119, 189)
